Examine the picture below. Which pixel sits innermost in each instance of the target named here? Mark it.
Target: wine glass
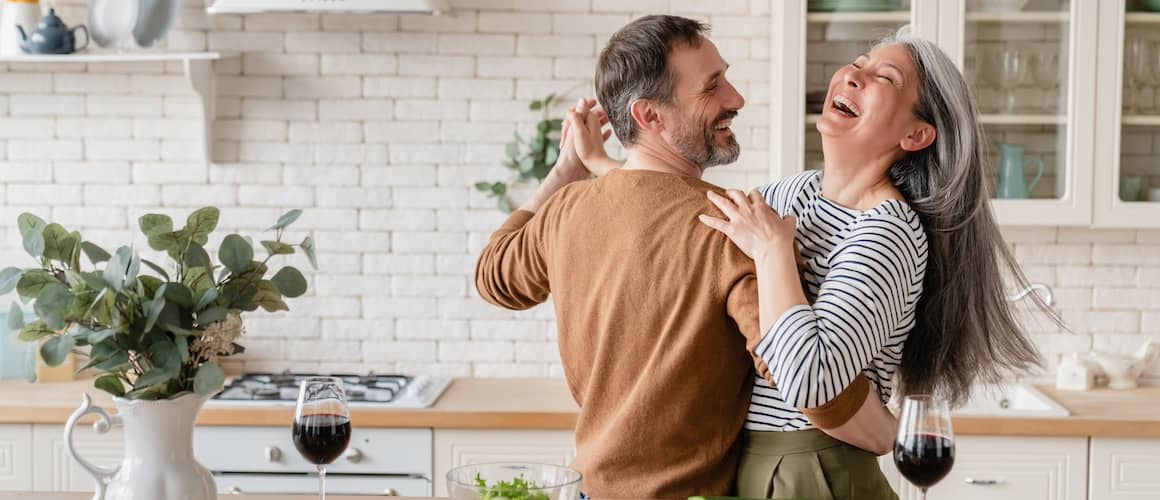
(1045, 72)
(924, 450)
(1137, 72)
(321, 424)
(1008, 70)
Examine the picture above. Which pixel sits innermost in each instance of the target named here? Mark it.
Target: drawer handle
(236, 490)
(983, 482)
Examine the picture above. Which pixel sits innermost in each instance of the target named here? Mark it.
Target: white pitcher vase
(159, 462)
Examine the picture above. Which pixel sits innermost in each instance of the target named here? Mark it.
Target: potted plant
(154, 332)
(530, 158)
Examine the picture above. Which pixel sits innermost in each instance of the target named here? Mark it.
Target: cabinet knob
(354, 456)
(982, 482)
(273, 454)
(236, 490)
(391, 492)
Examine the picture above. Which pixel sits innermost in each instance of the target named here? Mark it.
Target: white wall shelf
(1006, 119)
(858, 17)
(1142, 17)
(1017, 17)
(198, 72)
(1142, 120)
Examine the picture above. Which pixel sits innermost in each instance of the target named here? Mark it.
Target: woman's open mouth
(845, 107)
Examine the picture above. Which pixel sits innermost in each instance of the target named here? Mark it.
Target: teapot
(1121, 370)
(52, 37)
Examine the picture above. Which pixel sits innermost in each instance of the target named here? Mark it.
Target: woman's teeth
(845, 106)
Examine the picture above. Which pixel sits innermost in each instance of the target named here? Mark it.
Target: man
(657, 314)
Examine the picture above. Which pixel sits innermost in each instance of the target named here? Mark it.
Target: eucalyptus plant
(530, 158)
(153, 332)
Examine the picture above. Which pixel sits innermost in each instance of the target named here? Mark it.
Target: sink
(1010, 400)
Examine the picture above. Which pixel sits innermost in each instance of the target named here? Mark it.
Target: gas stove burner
(369, 389)
(266, 393)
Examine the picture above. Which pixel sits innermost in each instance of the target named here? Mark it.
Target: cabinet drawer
(1002, 468)
(1127, 469)
(271, 449)
(15, 457)
(307, 485)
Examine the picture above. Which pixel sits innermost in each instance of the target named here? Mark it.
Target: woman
(902, 263)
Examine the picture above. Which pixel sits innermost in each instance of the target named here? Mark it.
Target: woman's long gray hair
(966, 331)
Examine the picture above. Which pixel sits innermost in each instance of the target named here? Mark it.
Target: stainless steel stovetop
(370, 391)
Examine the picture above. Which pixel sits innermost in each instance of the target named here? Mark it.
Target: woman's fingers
(714, 223)
(738, 197)
(724, 204)
(756, 198)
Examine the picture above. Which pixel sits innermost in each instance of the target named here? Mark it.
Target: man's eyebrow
(717, 74)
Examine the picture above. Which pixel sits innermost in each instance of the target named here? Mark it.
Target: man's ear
(646, 115)
(919, 138)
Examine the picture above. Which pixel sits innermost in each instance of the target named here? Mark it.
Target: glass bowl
(513, 481)
(1151, 5)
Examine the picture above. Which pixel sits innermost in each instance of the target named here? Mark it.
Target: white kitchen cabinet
(1124, 469)
(1007, 468)
(15, 457)
(455, 447)
(54, 468)
(1100, 158)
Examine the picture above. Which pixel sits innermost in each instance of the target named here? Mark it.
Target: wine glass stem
(923, 490)
(322, 483)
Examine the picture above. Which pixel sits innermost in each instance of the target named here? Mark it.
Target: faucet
(1044, 289)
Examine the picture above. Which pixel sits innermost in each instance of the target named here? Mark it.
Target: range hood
(434, 7)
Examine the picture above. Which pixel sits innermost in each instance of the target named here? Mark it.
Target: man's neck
(645, 155)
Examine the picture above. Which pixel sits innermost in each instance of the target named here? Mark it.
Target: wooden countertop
(546, 404)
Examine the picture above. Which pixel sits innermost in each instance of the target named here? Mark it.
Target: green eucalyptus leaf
(211, 315)
(196, 256)
(117, 360)
(33, 282)
(55, 350)
(202, 222)
(198, 280)
(179, 294)
(156, 376)
(54, 236)
(483, 186)
(150, 393)
(536, 105)
(504, 204)
(548, 100)
(165, 354)
(153, 308)
(34, 331)
(94, 280)
(110, 384)
(120, 269)
(99, 336)
(9, 277)
(235, 253)
(207, 298)
(156, 268)
(269, 297)
(173, 241)
(182, 347)
(552, 155)
(286, 219)
(149, 285)
(307, 247)
(32, 232)
(76, 280)
(15, 317)
(95, 253)
(209, 379)
(277, 247)
(290, 282)
(52, 305)
(512, 151)
(155, 225)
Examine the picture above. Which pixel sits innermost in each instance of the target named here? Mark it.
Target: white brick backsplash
(1125, 298)
(574, 67)
(409, 329)
(329, 132)
(635, 6)
(249, 173)
(556, 45)
(39, 150)
(1054, 254)
(428, 286)
(275, 196)
(365, 109)
(431, 109)
(476, 351)
(328, 154)
(477, 44)
(25, 82)
(400, 43)
(397, 264)
(246, 42)
(456, 21)
(166, 128)
(1100, 322)
(528, 352)
(509, 370)
(265, 326)
(122, 149)
(361, 22)
(97, 217)
(181, 107)
(516, 67)
(121, 106)
(331, 175)
(474, 308)
(251, 130)
(358, 329)
(30, 194)
(402, 175)
(1126, 254)
(397, 220)
(337, 263)
(24, 171)
(46, 105)
(325, 350)
(100, 173)
(426, 153)
(274, 152)
(523, 330)
(164, 173)
(1123, 344)
(399, 87)
(1062, 343)
(322, 42)
(446, 66)
(341, 307)
(416, 197)
(280, 109)
(85, 127)
(475, 88)
(474, 133)
(353, 242)
(400, 307)
(137, 196)
(424, 242)
(456, 264)
(317, 87)
(158, 84)
(593, 24)
(91, 82)
(177, 195)
(272, 21)
(352, 285)
(399, 351)
(353, 197)
(280, 64)
(359, 64)
(21, 128)
(1092, 276)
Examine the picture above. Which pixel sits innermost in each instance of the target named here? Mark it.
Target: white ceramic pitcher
(159, 462)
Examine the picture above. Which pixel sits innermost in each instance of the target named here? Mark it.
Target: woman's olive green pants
(808, 464)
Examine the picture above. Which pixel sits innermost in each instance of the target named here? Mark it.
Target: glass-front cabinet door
(1024, 60)
(1127, 188)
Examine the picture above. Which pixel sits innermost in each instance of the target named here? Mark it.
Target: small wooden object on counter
(63, 373)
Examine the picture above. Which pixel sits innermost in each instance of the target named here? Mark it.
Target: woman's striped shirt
(863, 276)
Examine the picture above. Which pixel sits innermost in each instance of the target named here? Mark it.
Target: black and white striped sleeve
(868, 296)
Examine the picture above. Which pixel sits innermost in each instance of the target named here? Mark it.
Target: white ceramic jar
(25, 13)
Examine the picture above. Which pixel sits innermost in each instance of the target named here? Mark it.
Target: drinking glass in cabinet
(1007, 69)
(1045, 73)
(1138, 74)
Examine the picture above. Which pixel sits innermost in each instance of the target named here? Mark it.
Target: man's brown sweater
(656, 314)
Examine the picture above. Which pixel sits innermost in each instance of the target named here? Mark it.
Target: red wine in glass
(924, 459)
(924, 451)
(321, 438)
(321, 428)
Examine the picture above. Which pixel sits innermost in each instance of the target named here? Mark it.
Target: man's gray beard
(702, 149)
